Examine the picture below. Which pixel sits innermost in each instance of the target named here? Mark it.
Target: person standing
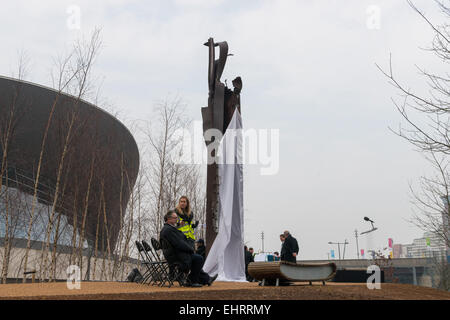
(289, 249)
(283, 248)
(252, 252)
(186, 220)
(248, 259)
(201, 249)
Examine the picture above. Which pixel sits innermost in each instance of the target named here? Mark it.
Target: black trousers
(197, 275)
(290, 259)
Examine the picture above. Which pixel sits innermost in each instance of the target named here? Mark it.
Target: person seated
(276, 256)
(181, 252)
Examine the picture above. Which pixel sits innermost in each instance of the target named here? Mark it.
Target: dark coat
(290, 245)
(248, 258)
(201, 250)
(179, 249)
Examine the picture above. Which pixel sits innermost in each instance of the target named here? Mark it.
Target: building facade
(428, 246)
(67, 172)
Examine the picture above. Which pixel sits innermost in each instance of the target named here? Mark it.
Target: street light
(368, 231)
(373, 227)
(345, 243)
(339, 247)
(262, 240)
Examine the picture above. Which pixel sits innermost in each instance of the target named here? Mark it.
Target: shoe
(194, 285)
(189, 283)
(212, 279)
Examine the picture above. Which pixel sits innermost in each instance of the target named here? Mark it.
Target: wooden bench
(274, 272)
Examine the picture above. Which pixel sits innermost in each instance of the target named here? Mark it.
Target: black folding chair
(150, 267)
(164, 270)
(157, 246)
(175, 271)
(160, 266)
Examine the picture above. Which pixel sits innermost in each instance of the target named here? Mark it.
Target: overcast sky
(308, 69)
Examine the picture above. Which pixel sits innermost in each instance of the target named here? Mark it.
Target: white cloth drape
(226, 256)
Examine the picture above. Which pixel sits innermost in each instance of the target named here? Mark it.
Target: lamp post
(262, 240)
(373, 227)
(345, 243)
(339, 247)
(357, 245)
(368, 231)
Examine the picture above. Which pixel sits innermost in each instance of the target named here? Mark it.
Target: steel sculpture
(222, 103)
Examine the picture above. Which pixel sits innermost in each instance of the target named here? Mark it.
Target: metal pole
(357, 246)
(339, 250)
(345, 243)
(262, 239)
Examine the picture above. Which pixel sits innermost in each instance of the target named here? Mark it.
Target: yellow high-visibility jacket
(187, 228)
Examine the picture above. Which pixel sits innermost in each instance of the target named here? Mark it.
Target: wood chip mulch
(219, 291)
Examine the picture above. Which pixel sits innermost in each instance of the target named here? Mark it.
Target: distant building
(407, 250)
(429, 246)
(74, 187)
(397, 251)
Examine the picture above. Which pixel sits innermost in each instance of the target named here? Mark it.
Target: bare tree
(7, 128)
(431, 135)
(161, 180)
(73, 68)
(162, 144)
(431, 201)
(427, 120)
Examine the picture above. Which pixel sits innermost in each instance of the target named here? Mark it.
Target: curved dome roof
(100, 162)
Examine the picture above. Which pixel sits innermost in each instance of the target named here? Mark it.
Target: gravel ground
(219, 291)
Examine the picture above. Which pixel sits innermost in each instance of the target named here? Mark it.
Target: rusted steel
(222, 102)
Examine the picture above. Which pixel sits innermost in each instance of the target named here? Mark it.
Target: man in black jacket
(248, 259)
(201, 249)
(179, 250)
(289, 249)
